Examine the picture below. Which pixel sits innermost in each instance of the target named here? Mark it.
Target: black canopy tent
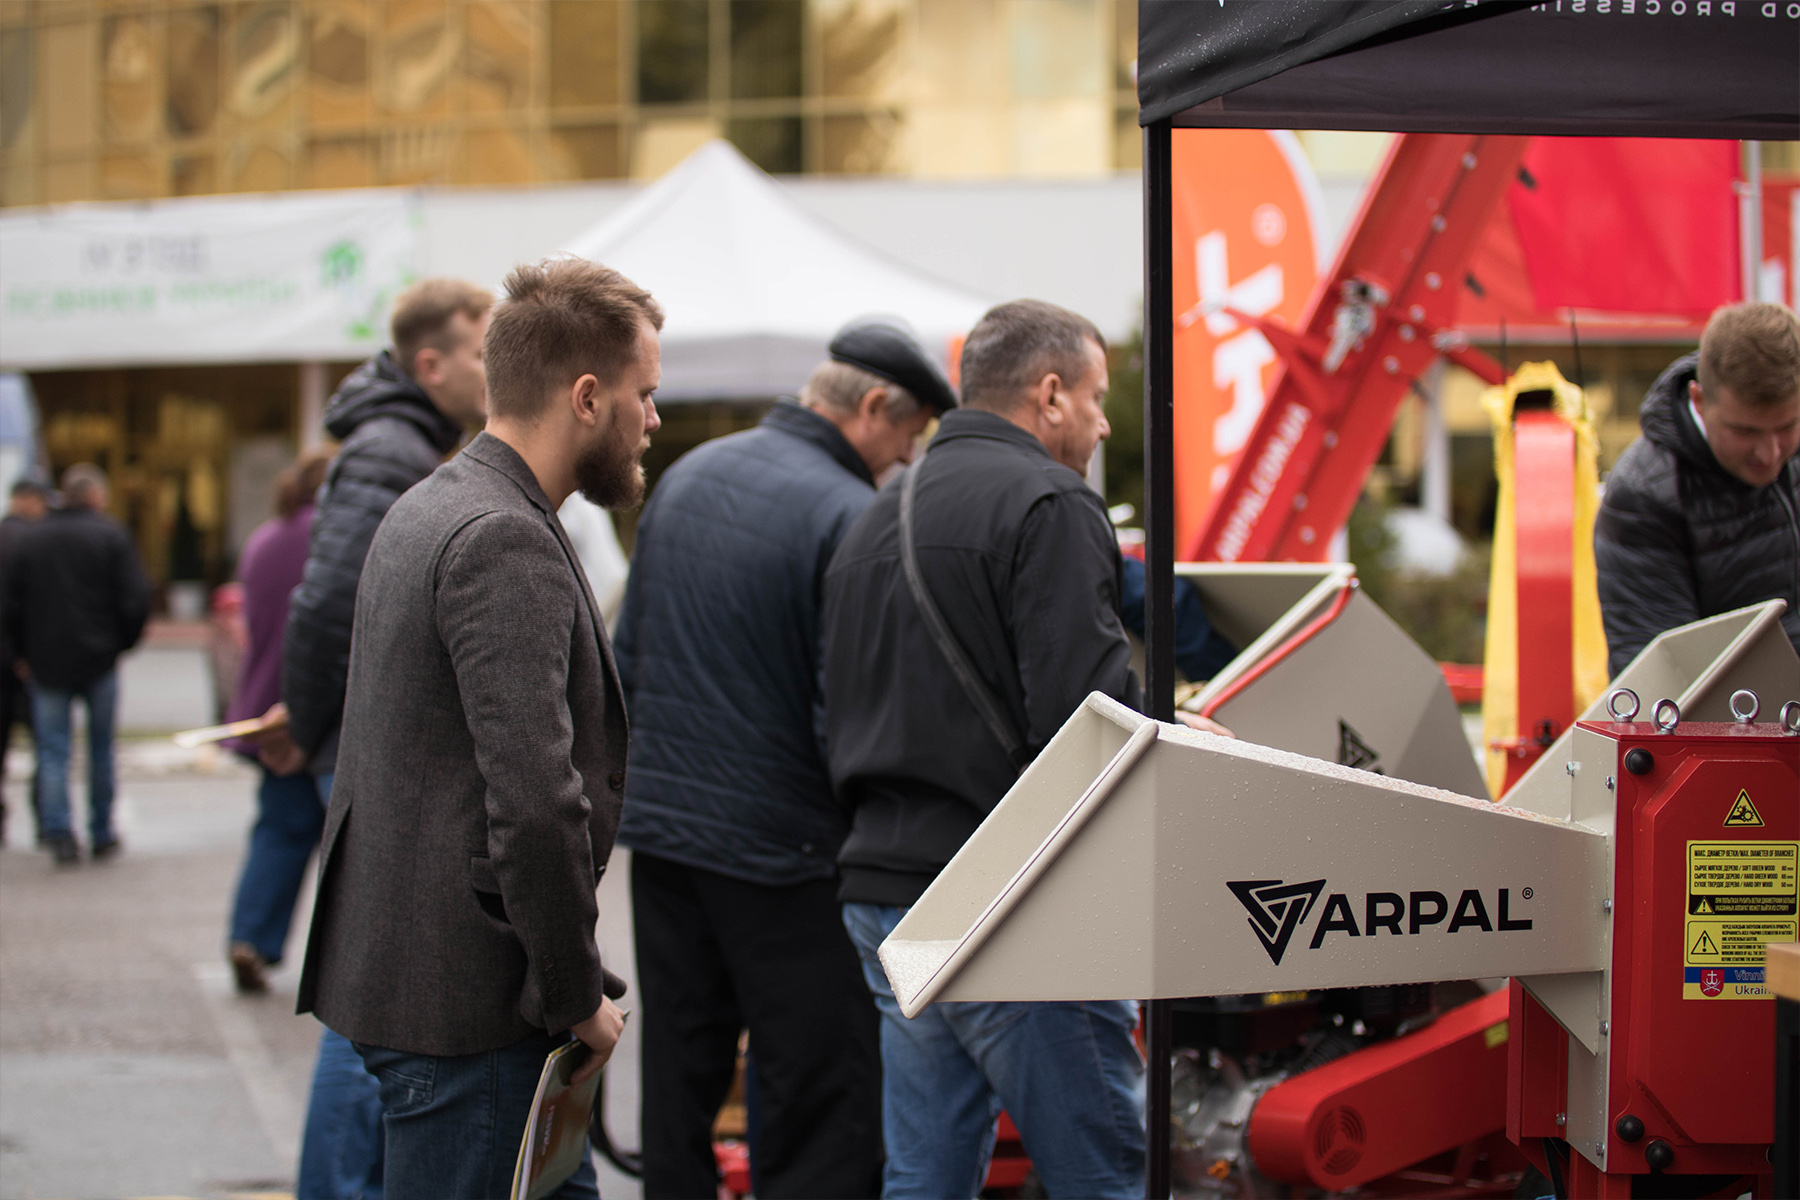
(1613, 68)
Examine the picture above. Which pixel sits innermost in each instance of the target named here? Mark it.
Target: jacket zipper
(1787, 504)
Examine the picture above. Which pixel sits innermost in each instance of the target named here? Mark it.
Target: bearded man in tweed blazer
(482, 761)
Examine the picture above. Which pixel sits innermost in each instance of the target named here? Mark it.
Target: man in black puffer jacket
(1702, 514)
(397, 416)
(728, 809)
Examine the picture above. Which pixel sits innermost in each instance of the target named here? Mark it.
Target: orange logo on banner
(1243, 235)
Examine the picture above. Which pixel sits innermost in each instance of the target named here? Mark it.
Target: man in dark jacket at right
(729, 812)
(1702, 514)
(1016, 553)
(397, 417)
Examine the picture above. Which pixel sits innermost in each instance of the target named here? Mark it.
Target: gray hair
(1015, 345)
(81, 481)
(841, 387)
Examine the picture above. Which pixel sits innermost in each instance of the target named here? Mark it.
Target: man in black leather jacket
(397, 416)
(1702, 514)
(1016, 552)
(729, 811)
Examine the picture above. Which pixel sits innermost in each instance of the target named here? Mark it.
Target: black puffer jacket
(1680, 538)
(76, 597)
(393, 436)
(718, 651)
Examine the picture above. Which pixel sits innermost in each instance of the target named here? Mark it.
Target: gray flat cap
(884, 346)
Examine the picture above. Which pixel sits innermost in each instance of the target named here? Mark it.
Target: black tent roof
(1623, 68)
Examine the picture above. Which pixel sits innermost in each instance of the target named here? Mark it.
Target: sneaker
(64, 851)
(250, 969)
(106, 849)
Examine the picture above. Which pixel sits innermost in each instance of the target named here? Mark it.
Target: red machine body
(1389, 1106)
(1705, 862)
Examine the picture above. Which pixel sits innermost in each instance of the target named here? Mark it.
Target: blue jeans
(51, 709)
(289, 819)
(341, 1154)
(454, 1123)
(1068, 1073)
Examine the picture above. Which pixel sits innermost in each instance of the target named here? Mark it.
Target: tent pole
(1750, 230)
(1159, 575)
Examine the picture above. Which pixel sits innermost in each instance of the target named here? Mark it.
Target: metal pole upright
(1159, 575)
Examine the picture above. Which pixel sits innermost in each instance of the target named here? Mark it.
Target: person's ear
(585, 401)
(1051, 405)
(1695, 396)
(873, 403)
(428, 365)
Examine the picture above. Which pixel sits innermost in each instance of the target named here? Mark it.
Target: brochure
(556, 1135)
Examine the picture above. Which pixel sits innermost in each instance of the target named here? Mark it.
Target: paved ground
(128, 1067)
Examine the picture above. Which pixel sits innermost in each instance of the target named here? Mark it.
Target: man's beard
(609, 473)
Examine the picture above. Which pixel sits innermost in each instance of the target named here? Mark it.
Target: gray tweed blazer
(479, 777)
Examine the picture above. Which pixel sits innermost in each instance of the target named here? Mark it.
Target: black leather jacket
(393, 436)
(1679, 538)
(1019, 556)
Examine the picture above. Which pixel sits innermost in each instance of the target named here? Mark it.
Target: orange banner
(1245, 236)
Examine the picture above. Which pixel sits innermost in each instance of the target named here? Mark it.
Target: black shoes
(249, 969)
(63, 850)
(105, 850)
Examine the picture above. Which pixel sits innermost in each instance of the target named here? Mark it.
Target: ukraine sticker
(1741, 897)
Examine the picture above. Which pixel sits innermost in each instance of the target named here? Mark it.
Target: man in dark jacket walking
(1701, 514)
(1015, 552)
(26, 506)
(397, 416)
(77, 598)
(730, 814)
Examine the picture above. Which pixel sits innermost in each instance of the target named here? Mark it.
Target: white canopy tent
(754, 286)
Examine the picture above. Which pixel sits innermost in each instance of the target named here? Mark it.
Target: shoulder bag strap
(984, 700)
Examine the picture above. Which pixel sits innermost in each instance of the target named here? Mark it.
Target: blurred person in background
(397, 416)
(289, 815)
(76, 599)
(26, 506)
(1701, 514)
(731, 821)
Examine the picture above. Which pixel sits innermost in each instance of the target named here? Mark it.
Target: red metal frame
(1543, 523)
(1378, 321)
(1390, 1106)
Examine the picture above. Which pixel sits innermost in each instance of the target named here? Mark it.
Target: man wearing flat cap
(729, 810)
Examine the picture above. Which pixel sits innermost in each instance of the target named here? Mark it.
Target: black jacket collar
(796, 420)
(379, 388)
(1667, 421)
(979, 423)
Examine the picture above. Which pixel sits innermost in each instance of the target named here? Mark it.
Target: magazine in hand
(556, 1135)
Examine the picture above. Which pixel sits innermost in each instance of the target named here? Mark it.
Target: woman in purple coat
(289, 813)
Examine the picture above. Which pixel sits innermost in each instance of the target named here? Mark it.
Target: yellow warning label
(1742, 811)
(1495, 1035)
(1741, 897)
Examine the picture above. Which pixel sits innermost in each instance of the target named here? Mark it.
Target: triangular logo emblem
(1704, 944)
(1743, 812)
(1354, 752)
(1276, 909)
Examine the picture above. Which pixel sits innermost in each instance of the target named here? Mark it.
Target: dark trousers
(716, 956)
(15, 709)
(289, 818)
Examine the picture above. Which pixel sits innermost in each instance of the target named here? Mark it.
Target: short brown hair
(562, 318)
(1014, 345)
(1753, 349)
(296, 486)
(422, 316)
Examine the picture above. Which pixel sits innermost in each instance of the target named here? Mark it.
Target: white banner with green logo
(245, 279)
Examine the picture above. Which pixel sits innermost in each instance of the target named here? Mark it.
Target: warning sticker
(1741, 897)
(1743, 812)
